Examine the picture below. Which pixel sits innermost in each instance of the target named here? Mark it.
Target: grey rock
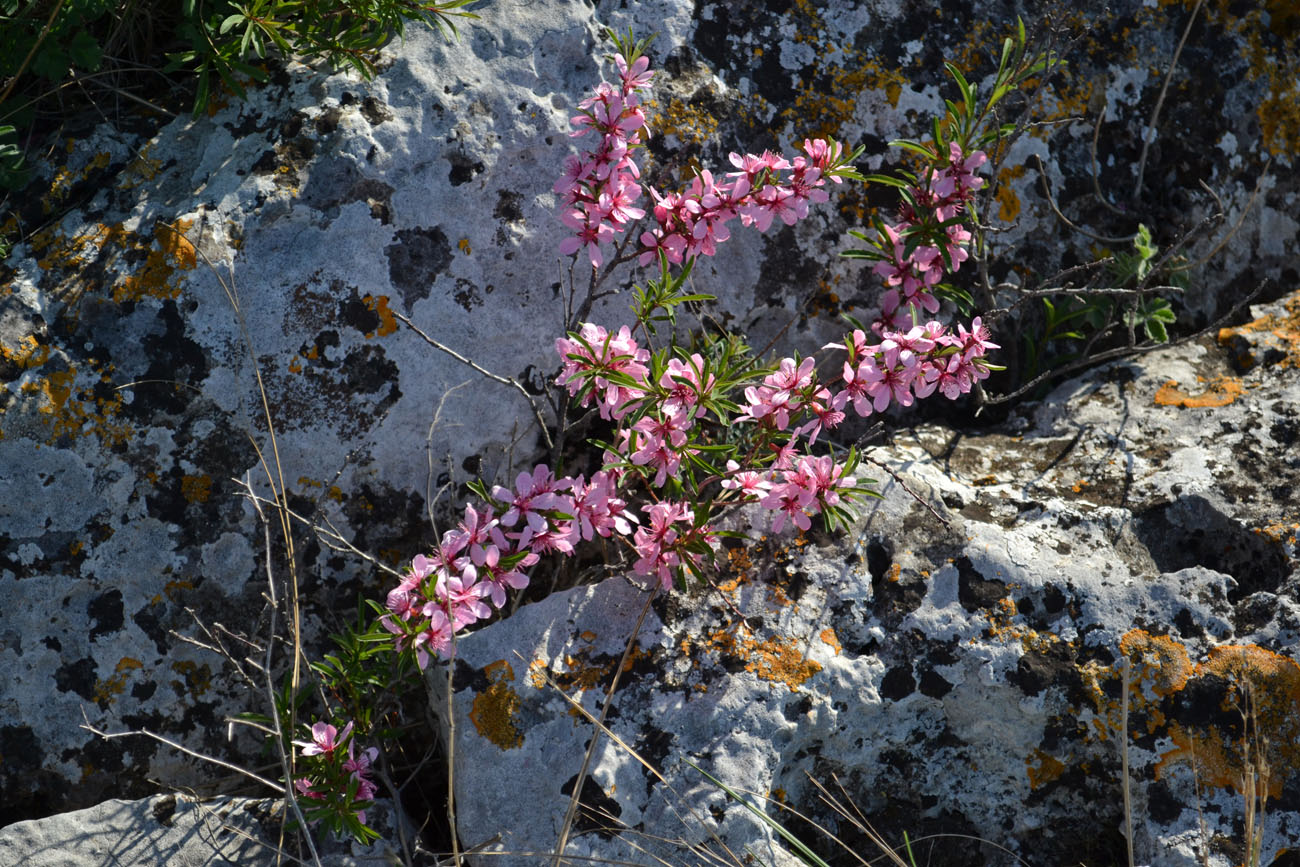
(129, 396)
(955, 678)
(178, 831)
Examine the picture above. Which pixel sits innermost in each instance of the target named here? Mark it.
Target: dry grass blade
(571, 814)
(623, 745)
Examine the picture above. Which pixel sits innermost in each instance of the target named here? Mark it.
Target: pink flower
(436, 636)
(325, 739)
(461, 597)
(974, 343)
(635, 76)
(749, 483)
(591, 355)
(654, 543)
(684, 383)
(307, 789)
(534, 492)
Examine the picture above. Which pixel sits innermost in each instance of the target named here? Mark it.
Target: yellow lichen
(107, 691)
(496, 708)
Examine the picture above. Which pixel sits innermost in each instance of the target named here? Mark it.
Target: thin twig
(1096, 167)
(1123, 351)
(31, 52)
(940, 518)
(1150, 131)
(1051, 203)
(504, 380)
(286, 762)
(1259, 185)
(276, 787)
(655, 772)
(1124, 666)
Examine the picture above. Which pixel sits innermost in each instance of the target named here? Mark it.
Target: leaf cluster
(226, 37)
(1083, 317)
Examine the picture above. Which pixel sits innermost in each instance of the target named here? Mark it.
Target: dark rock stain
(415, 260)
(106, 612)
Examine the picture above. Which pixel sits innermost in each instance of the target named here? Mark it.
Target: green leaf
(915, 147)
(84, 51)
(967, 92)
(1006, 56)
(887, 180)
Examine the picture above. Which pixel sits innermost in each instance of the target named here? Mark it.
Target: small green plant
(227, 37)
(1086, 317)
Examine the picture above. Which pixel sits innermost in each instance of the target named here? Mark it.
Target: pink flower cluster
(912, 364)
(795, 487)
(331, 778)
(939, 203)
(661, 548)
(490, 549)
(599, 189)
(692, 222)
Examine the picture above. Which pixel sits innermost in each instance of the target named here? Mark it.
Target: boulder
(155, 270)
(178, 831)
(955, 663)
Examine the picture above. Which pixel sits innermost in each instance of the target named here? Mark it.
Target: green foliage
(657, 302)
(226, 36)
(46, 45)
(363, 670)
(1084, 317)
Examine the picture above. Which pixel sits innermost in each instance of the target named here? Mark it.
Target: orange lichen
(198, 678)
(829, 637)
(1280, 333)
(778, 660)
(106, 691)
(495, 709)
(1043, 769)
(71, 410)
(1220, 392)
(1279, 533)
(1265, 688)
(170, 253)
(583, 669)
(387, 322)
(1157, 660)
(28, 352)
(174, 587)
(1008, 201)
(196, 489)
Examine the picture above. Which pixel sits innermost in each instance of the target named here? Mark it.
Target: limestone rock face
(955, 662)
(175, 830)
(152, 273)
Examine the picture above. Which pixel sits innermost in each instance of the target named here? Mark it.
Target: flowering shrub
(703, 428)
(699, 428)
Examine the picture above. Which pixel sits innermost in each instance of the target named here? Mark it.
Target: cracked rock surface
(153, 270)
(955, 662)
